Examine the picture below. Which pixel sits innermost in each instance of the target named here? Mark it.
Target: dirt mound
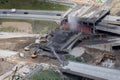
(21, 26)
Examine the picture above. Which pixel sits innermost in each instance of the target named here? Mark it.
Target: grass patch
(72, 58)
(14, 20)
(48, 75)
(43, 26)
(32, 5)
(38, 26)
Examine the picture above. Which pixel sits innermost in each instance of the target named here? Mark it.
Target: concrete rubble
(108, 63)
(78, 51)
(25, 71)
(13, 35)
(7, 53)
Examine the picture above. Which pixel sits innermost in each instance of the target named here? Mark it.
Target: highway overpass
(90, 71)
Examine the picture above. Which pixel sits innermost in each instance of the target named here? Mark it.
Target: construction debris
(105, 56)
(7, 53)
(78, 51)
(24, 71)
(60, 40)
(108, 63)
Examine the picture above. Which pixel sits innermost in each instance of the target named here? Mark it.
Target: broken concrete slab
(7, 53)
(16, 35)
(77, 51)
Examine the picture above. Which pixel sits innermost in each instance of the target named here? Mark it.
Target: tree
(3, 1)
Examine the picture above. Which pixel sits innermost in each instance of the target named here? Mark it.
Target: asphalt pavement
(33, 17)
(35, 12)
(31, 14)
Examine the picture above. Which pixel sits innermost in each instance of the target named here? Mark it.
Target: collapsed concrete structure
(90, 18)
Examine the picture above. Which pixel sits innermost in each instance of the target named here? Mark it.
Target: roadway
(31, 14)
(35, 12)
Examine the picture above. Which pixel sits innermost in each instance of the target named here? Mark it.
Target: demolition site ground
(85, 54)
(55, 48)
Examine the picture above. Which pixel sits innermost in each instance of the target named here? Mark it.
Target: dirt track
(21, 26)
(5, 66)
(15, 43)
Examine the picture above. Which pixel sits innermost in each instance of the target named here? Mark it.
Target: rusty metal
(104, 57)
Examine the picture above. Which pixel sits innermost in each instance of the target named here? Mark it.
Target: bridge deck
(108, 28)
(91, 71)
(112, 19)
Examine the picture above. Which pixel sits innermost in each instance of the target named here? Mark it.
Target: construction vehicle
(57, 39)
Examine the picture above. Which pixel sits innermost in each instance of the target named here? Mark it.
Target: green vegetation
(72, 58)
(14, 20)
(43, 26)
(9, 29)
(38, 26)
(48, 75)
(32, 5)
